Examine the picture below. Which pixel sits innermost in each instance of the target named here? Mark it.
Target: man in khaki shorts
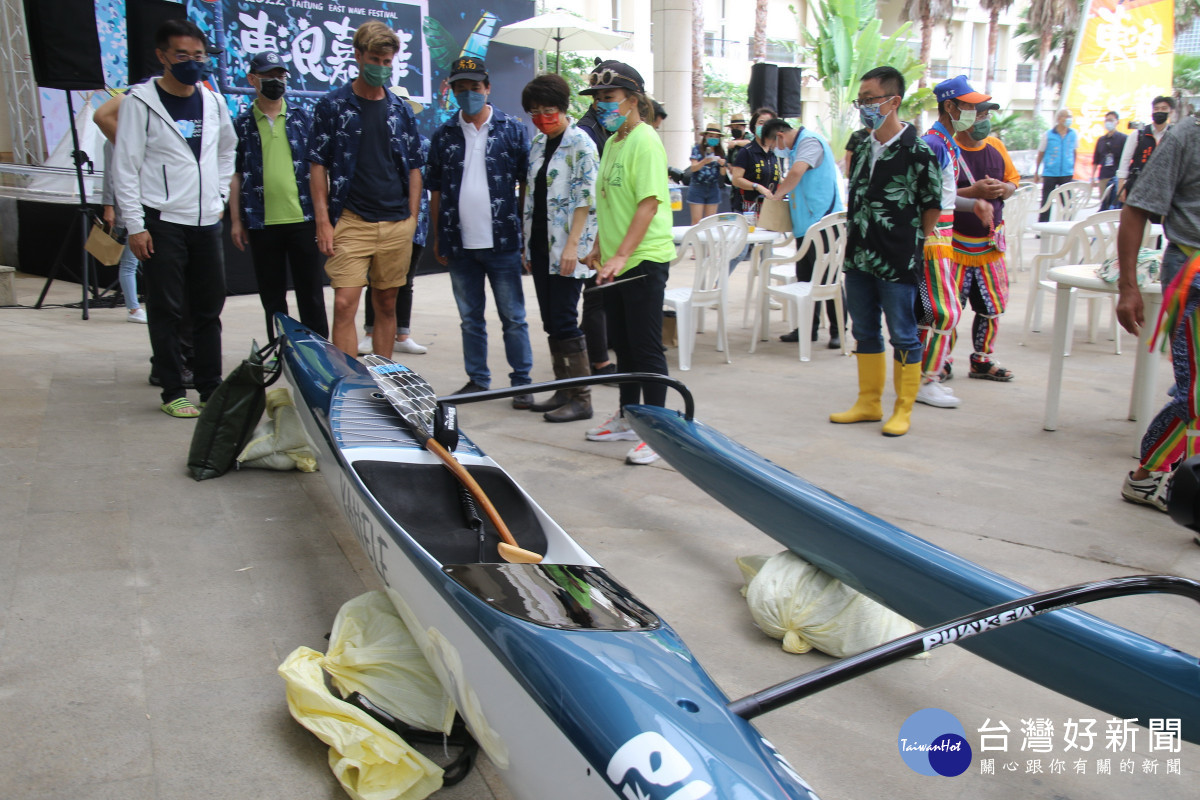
(366, 161)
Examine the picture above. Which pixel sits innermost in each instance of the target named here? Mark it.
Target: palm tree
(1046, 18)
(994, 8)
(759, 43)
(927, 13)
(697, 65)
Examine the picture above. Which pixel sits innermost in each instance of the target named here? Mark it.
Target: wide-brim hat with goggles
(957, 88)
(265, 62)
(614, 75)
(468, 68)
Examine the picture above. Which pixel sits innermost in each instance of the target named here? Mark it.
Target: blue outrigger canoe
(571, 685)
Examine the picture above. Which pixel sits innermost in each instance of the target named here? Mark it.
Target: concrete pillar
(671, 26)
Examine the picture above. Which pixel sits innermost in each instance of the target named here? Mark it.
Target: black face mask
(1160, 117)
(272, 88)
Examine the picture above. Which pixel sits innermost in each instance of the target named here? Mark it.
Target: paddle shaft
(460, 472)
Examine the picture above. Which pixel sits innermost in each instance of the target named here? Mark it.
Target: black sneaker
(471, 387)
(608, 369)
(835, 342)
(794, 336)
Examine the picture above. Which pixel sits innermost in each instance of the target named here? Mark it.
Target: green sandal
(182, 408)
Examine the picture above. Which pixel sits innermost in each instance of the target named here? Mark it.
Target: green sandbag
(231, 414)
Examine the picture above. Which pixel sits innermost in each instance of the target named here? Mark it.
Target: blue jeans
(867, 297)
(469, 270)
(128, 277)
(1110, 196)
(1172, 261)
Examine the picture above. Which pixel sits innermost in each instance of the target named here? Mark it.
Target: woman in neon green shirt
(633, 210)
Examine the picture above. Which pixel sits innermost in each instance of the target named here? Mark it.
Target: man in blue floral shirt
(366, 180)
(477, 163)
(269, 202)
(895, 199)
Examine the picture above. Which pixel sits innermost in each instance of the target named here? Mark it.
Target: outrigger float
(570, 684)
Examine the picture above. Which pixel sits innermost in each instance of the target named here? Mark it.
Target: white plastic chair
(1066, 201)
(1016, 221)
(714, 241)
(1090, 241)
(753, 290)
(827, 239)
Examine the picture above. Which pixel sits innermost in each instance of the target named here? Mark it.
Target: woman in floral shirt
(560, 230)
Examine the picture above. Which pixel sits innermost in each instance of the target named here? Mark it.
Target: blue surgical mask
(758, 132)
(712, 142)
(781, 152)
(471, 103)
(608, 115)
(870, 116)
(189, 73)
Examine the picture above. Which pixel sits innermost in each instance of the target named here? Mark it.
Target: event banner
(1124, 60)
(314, 39)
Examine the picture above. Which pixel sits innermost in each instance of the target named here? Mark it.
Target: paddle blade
(516, 555)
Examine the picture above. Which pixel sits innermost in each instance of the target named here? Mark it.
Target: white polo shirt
(474, 198)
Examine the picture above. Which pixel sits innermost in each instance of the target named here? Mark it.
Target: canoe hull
(606, 712)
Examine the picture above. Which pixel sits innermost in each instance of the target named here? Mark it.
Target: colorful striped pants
(986, 289)
(940, 308)
(1173, 433)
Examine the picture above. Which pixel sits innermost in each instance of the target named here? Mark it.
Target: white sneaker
(641, 454)
(1150, 491)
(409, 346)
(365, 345)
(933, 393)
(137, 315)
(614, 429)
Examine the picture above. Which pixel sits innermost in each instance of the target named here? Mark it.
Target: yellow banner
(1124, 61)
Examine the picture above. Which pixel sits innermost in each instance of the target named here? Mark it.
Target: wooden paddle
(406, 391)
(509, 550)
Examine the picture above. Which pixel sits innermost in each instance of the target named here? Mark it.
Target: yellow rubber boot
(872, 373)
(907, 378)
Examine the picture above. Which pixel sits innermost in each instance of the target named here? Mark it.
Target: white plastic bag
(279, 442)
(792, 600)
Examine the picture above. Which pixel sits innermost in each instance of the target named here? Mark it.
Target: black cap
(614, 75)
(987, 107)
(468, 68)
(265, 62)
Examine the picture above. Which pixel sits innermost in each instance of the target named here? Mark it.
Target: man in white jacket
(171, 174)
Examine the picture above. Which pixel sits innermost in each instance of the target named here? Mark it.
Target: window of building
(939, 69)
(782, 52)
(1024, 73)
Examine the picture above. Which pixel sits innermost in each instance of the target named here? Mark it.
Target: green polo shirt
(281, 198)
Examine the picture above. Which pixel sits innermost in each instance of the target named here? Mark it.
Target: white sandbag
(279, 442)
(792, 600)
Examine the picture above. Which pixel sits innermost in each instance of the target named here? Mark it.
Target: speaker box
(64, 45)
(763, 91)
(142, 20)
(789, 92)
